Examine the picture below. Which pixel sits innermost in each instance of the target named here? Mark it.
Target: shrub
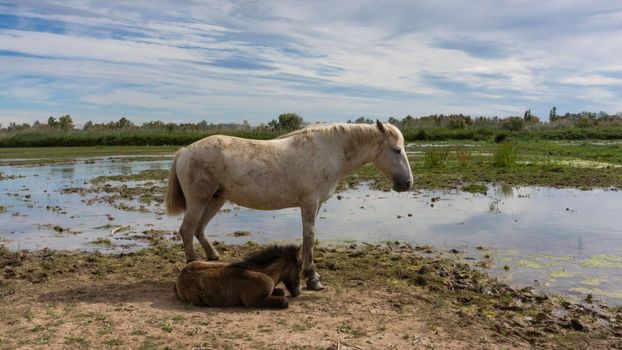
(513, 123)
(501, 137)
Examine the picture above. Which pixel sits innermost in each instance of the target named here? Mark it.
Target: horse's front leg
(309, 213)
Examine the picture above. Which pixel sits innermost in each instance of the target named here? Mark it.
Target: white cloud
(592, 79)
(249, 60)
(55, 45)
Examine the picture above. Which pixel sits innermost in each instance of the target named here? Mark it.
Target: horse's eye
(397, 150)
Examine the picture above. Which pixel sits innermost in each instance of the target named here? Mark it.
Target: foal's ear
(380, 126)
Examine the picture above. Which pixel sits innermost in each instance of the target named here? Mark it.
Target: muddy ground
(386, 296)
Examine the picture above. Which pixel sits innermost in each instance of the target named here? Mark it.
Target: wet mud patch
(60, 230)
(379, 295)
(141, 192)
(4, 176)
(239, 233)
(145, 175)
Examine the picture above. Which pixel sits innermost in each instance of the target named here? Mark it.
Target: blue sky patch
(178, 62)
(473, 47)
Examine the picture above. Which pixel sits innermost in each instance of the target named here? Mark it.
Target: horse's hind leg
(213, 206)
(188, 227)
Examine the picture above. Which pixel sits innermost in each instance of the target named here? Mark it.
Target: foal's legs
(309, 212)
(278, 292)
(276, 302)
(269, 301)
(213, 206)
(256, 290)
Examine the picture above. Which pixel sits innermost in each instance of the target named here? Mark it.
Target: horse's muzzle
(401, 186)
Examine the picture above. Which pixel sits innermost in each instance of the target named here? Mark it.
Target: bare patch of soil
(388, 296)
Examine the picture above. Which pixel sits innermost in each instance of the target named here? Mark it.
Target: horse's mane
(267, 256)
(361, 132)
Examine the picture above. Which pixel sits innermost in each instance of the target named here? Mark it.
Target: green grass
(302, 326)
(165, 326)
(505, 155)
(119, 137)
(606, 151)
(114, 342)
(487, 133)
(463, 155)
(77, 340)
(164, 137)
(102, 242)
(73, 152)
(139, 332)
(435, 157)
(536, 162)
(475, 188)
(347, 328)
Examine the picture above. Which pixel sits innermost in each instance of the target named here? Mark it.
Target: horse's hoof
(213, 258)
(295, 292)
(314, 284)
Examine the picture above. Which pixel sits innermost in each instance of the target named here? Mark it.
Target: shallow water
(566, 241)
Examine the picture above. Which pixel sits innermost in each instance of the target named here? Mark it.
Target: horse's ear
(380, 126)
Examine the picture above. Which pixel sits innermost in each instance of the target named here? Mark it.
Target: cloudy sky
(228, 61)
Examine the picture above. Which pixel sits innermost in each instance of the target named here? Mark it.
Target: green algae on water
(602, 261)
(561, 274)
(597, 291)
(594, 281)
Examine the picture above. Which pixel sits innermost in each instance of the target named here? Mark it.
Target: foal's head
(391, 157)
(291, 275)
(286, 257)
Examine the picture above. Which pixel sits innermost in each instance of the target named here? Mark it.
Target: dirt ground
(389, 296)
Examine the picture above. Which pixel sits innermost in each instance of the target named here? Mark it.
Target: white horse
(300, 169)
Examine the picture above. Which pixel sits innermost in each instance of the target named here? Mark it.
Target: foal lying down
(249, 282)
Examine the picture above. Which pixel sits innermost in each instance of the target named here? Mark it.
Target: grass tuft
(435, 157)
(505, 155)
(463, 155)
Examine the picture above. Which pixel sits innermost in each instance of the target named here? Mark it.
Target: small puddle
(564, 241)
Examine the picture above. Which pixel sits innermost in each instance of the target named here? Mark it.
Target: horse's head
(291, 278)
(391, 157)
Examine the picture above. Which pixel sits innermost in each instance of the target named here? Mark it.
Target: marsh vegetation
(63, 131)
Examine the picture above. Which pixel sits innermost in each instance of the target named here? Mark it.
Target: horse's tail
(175, 199)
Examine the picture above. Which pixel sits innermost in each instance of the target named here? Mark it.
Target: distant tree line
(286, 122)
(528, 121)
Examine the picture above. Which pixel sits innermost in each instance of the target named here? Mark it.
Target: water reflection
(66, 171)
(505, 190)
(125, 168)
